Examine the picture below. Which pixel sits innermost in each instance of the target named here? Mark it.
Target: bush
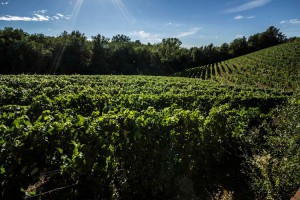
(273, 155)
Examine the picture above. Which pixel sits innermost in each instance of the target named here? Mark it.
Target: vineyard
(274, 67)
(142, 137)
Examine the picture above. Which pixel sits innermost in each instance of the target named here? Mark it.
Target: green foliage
(73, 53)
(275, 67)
(273, 155)
(129, 137)
(239, 46)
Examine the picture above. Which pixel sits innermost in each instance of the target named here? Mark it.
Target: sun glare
(76, 6)
(123, 11)
(76, 9)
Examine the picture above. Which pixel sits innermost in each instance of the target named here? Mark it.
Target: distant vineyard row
(275, 67)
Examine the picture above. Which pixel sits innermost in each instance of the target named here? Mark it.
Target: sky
(194, 22)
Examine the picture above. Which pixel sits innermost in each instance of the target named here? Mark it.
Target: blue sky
(194, 22)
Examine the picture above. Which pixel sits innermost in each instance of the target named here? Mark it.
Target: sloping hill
(276, 67)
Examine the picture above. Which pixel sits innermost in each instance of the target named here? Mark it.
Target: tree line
(74, 53)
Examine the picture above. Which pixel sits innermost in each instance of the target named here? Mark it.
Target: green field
(233, 135)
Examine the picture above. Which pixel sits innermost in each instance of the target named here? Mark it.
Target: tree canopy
(74, 53)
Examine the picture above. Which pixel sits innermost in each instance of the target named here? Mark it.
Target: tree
(272, 36)
(14, 50)
(224, 51)
(254, 42)
(73, 53)
(168, 50)
(210, 54)
(138, 43)
(239, 47)
(69, 53)
(120, 38)
(143, 59)
(100, 44)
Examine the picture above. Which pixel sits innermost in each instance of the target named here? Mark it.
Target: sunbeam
(74, 14)
(76, 10)
(123, 11)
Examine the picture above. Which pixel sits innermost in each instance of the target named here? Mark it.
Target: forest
(74, 53)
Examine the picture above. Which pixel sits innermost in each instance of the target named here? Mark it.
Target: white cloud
(292, 21)
(38, 16)
(238, 17)
(142, 34)
(147, 37)
(247, 6)
(40, 11)
(55, 17)
(239, 36)
(192, 31)
(4, 3)
(60, 16)
(174, 24)
(35, 18)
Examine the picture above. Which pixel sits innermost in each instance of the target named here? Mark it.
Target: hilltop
(274, 67)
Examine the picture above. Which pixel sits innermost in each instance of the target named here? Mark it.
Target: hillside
(275, 67)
